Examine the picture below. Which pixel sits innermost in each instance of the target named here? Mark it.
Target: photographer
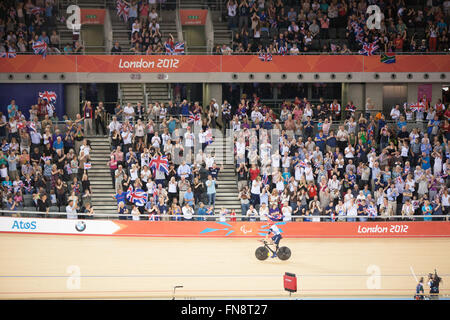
(433, 281)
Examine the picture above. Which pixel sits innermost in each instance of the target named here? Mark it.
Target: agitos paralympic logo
(240, 229)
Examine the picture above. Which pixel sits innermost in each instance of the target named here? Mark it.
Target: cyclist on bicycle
(276, 238)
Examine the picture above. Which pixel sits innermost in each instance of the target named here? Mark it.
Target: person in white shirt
(263, 212)
(114, 125)
(395, 113)
(187, 211)
(407, 209)
(287, 212)
(128, 112)
(352, 210)
(71, 210)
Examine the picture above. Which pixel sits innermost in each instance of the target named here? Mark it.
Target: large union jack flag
(138, 196)
(49, 96)
(161, 163)
(174, 49)
(40, 47)
(368, 49)
(178, 48)
(123, 10)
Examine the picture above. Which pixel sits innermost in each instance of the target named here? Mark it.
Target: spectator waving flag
(40, 47)
(138, 196)
(368, 49)
(161, 163)
(265, 57)
(123, 10)
(168, 47)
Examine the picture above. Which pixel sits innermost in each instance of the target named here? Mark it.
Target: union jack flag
(154, 192)
(265, 179)
(45, 158)
(37, 10)
(87, 166)
(10, 54)
(302, 163)
(49, 96)
(178, 48)
(282, 50)
(265, 57)
(40, 47)
(32, 126)
(5, 147)
(122, 10)
(161, 163)
(194, 117)
(369, 49)
(175, 49)
(209, 137)
(138, 196)
(358, 31)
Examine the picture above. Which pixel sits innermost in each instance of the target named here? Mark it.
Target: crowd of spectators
(23, 23)
(44, 161)
(331, 160)
(295, 27)
(140, 133)
(145, 33)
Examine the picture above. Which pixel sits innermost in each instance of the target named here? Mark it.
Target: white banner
(58, 226)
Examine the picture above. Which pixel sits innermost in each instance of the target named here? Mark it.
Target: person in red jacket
(254, 172)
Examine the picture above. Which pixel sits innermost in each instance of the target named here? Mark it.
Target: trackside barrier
(227, 217)
(240, 229)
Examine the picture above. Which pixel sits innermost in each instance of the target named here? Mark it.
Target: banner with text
(209, 229)
(212, 63)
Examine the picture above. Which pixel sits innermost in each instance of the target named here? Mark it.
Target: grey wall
(72, 99)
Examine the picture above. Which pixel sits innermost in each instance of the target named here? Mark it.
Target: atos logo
(20, 225)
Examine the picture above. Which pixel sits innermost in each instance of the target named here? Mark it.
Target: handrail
(255, 53)
(336, 217)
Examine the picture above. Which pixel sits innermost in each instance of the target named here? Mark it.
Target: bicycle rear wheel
(284, 253)
(262, 253)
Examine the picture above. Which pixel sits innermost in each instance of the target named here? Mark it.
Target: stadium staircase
(100, 177)
(222, 34)
(158, 92)
(132, 92)
(227, 191)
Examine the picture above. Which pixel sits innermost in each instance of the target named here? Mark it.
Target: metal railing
(244, 53)
(227, 217)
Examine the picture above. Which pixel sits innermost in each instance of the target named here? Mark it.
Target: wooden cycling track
(36, 266)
